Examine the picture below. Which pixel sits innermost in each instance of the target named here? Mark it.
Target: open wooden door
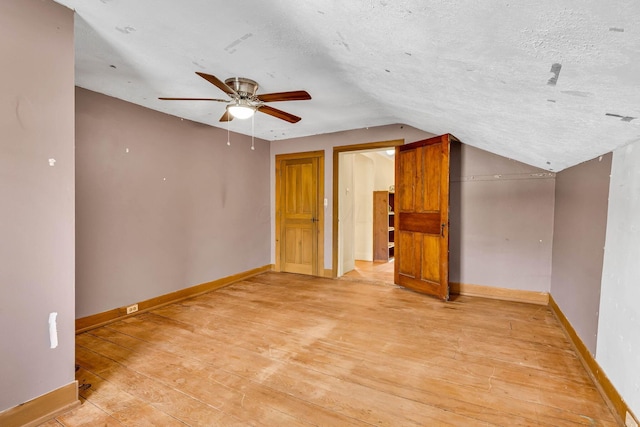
(422, 216)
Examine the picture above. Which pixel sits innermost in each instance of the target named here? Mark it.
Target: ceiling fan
(244, 101)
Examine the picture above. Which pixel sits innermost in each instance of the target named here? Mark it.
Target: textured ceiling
(481, 70)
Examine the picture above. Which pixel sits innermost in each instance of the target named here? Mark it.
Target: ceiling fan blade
(296, 95)
(279, 114)
(218, 83)
(226, 117)
(194, 99)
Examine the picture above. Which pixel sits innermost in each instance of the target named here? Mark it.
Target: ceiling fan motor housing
(246, 88)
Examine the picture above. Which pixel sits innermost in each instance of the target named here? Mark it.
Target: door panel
(430, 258)
(405, 183)
(422, 216)
(299, 189)
(404, 245)
(299, 252)
(428, 222)
(432, 169)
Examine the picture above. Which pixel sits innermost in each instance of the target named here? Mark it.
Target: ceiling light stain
(342, 42)
(126, 30)
(555, 69)
(112, 66)
(616, 30)
(387, 70)
(230, 49)
(622, 118)
(577, 93)
(551, 100)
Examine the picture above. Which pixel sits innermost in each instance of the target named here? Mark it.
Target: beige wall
(363, 187)
(36, 199)
(346, 215)
(385, 170)
(162, 203)
(578, 244)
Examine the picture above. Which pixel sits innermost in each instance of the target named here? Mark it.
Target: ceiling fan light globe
(241, 111)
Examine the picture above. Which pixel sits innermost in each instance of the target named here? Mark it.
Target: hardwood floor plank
(51, 423)
(104, 394)
(146, 415)
(87, 414)
(286, 349)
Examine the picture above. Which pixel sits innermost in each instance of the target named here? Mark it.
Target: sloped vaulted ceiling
(550, 83)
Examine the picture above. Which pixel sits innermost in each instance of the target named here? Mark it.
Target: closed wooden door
(299, 216)
(422, 216)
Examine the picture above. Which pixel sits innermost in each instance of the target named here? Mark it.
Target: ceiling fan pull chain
(228, 141)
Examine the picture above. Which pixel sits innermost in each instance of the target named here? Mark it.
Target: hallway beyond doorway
(371, 271)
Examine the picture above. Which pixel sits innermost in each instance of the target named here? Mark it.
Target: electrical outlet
(630, 421)
(133, 308)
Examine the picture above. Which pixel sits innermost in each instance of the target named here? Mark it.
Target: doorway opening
(360, 171)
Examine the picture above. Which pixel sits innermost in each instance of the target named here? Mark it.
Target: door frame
(336, 176)
(280, 158)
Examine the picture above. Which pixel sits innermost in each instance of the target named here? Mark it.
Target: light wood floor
(372, 271)
(282, 349)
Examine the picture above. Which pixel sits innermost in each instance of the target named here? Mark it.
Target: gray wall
(162, 203)
(618, 349)
(36, 200)
(578, 244)
(501, 221)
